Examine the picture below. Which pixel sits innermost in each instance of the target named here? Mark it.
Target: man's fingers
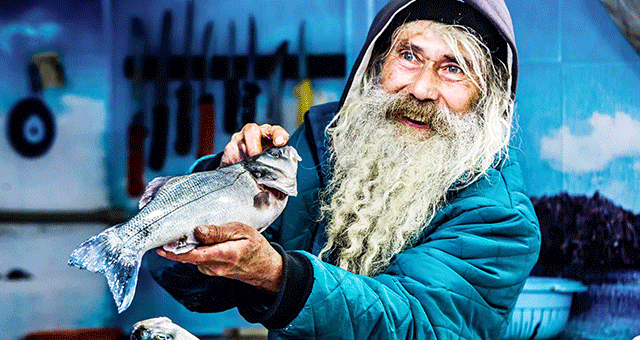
(259, 138)
(220, 253)
(218, 234)
(252, 139)
(280, 136)
(274, 135)
(232, 151)
(184, 258)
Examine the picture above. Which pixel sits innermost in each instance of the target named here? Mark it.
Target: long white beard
(389, 182)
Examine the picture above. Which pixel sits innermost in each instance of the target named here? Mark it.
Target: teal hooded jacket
(460, 280)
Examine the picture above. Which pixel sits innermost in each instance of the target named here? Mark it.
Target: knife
(206, 103)
(137, 131)
(251, 89)
(276, 86)
(303, 90)
(185, 92)
(160, 110)
(231, 85)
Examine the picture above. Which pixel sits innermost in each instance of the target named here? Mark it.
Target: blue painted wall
(578, 106)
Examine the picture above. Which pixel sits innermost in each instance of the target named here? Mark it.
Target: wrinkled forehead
(413, 31)
(415, 34)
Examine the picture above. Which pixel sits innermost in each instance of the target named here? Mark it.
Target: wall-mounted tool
(231, 85)
(31, 127)
(318, 66)
(185, 93)
(51, 70)
(137, 131)
(206, 102)
(158, 153)
(303, 90)
(250, 88)
(276, 86)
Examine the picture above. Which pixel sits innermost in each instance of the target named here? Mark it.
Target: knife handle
(206, 125)
(185, 127)
(158, 152)
(231, 101)
(304, 93)
(135, 159)
(251, 91)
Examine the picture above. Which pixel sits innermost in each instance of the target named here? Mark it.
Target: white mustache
(440, 119)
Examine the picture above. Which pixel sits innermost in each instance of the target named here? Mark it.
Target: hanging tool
(185, 92)
(251, 88)
(158, 153)
(206, 102)
(303, 90)
(232, 86)
(137, 131)
(51, 70)
(276, 86)
(30, 124)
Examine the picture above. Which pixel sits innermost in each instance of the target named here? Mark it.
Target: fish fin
(105, 253)
(182, 245)
(152, 190)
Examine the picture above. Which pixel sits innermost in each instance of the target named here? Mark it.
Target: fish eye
(259, 173)
(276, 152)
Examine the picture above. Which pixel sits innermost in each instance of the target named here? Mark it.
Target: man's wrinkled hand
(236, 251)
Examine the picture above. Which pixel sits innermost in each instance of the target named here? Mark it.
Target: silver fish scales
(253, 192)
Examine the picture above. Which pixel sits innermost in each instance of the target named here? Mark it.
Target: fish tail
(105, 253)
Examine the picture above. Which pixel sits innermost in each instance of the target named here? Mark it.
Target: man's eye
(453, 69)
(408, 56)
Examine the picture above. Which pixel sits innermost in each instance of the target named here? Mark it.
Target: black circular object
(18, 274)
(31, 128)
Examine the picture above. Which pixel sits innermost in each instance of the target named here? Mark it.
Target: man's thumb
(205, 235)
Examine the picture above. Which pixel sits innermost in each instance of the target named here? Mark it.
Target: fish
(254, 191)
(160, 328)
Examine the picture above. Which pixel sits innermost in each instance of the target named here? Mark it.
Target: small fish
(161, 328)
(253, 192)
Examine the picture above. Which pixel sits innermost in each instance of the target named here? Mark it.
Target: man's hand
(253, 140)
(237, 251)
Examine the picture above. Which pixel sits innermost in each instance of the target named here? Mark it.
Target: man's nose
(425, 85)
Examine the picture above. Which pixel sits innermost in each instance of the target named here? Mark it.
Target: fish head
(276, 168)
(161, 328)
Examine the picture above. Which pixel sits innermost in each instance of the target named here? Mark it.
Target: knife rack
(319, 66)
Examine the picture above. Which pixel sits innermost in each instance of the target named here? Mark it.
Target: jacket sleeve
(462, 281)
(199, 292)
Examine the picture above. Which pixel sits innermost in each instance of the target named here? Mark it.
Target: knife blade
(185, 92)
(137, 130)
(231, 85)
(276, 86)
(160, 110)
(206, 102)
(250, 88)
(303, 90)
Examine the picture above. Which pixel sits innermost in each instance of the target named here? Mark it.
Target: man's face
(422, 65)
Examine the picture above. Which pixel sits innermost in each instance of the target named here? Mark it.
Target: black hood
(488, 18)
